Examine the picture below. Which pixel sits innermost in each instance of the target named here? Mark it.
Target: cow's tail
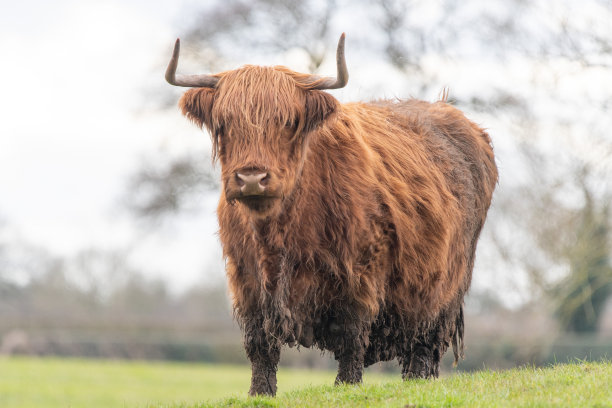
(458, 337)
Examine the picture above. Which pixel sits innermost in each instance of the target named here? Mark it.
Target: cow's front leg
(350, 354)
(264, 360)
(350, 367)
(263, 372)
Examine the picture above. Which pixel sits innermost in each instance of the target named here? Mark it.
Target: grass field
(52, 382)
(49, 383)
(575, 385)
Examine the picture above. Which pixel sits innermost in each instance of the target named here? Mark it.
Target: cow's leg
(264, 360)
(263, 372)
(350, 354)
(404, 360)
(422, 362)
(350, 368)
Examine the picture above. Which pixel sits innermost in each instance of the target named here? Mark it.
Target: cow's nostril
(265, 180)
(239, 180)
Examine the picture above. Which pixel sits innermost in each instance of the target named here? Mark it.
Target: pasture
(51, 382)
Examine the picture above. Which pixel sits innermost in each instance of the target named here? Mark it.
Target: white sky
(72, 79)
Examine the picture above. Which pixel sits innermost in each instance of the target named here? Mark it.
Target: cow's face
(261, 122)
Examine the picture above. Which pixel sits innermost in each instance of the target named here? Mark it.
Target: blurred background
(108, 244)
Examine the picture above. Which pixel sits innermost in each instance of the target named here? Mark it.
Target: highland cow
(347, 227)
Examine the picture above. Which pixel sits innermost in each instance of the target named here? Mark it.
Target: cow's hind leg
(423, 361)
(264, 359)
(422, 358)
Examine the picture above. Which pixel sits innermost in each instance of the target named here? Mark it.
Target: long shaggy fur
(368, 246)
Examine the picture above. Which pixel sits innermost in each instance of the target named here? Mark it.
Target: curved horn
(342, 77)
(199, 81)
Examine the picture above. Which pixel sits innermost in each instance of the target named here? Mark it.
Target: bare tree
(559, 210)
(155, 191)
(267, 26)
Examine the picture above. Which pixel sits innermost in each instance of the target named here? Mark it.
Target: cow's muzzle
(252, 183)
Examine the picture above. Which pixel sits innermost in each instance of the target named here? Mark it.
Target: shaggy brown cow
(348, 227)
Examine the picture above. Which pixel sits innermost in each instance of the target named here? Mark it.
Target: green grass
(53, 382)
(49, 383)
(569, 385)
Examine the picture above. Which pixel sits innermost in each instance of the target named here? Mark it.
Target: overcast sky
(73, 79)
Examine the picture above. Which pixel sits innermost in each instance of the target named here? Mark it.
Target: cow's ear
(196, 104)
(319, 106)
